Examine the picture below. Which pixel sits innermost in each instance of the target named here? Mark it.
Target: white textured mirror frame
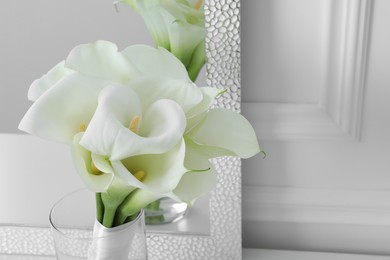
(224, 242)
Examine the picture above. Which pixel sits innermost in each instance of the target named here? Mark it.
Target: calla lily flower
(121, 127)
(64, 109)
(160, 172)
(178, 26)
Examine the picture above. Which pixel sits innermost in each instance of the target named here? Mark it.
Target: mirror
(35, 173)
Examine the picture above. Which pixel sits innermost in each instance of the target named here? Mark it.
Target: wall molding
(326, 220)
(323, 206)
(337, 115)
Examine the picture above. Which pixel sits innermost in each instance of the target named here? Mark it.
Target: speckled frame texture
(224, 242)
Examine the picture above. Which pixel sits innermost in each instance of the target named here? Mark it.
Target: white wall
(325, 184)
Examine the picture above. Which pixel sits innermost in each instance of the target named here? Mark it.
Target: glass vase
(165, 211)
(78, 235)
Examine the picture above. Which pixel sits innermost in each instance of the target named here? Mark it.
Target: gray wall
(316, 85)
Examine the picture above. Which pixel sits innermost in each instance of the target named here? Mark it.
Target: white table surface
(260, 254)
(255, 254)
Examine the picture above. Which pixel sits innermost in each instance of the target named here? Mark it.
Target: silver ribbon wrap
(112, 243)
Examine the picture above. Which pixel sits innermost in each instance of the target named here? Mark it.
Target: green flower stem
(133, 203)
(109, 215)
(126, 210)
(111, 205)
(99, 207)
(112, 199)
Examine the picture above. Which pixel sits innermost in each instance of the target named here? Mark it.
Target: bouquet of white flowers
(138, 127)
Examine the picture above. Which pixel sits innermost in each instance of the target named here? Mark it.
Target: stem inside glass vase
(165, 211)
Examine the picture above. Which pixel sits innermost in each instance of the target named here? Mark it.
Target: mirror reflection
(36, 36)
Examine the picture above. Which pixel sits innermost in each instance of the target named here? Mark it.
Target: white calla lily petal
(208, 96)
(197, 113)
(201, 178)
(117, 106)
(101, 162)
(195, 159)
(82, 161)
(150, 89)
(162, 171)
(157, 62)
(197, 156)
(39, 86)
(193, 185)
(101, 59)
(58, 114)
(228, 130)
(122, 172)
(162, 125)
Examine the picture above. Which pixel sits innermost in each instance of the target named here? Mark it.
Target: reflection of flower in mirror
(139, 128)
(178, 26)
